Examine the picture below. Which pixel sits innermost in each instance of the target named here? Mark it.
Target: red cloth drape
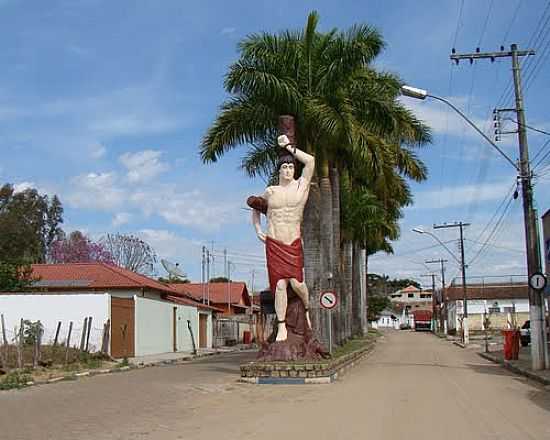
(284, 261)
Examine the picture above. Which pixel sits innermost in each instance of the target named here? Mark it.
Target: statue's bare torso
(285, 208)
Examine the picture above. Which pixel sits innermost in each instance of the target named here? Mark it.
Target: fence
(230, 330)
(30, 344)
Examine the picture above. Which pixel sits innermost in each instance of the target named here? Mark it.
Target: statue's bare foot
(281, 332)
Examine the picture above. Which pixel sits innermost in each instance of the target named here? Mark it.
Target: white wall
(49, 309)
(153, 326)
(187, 313)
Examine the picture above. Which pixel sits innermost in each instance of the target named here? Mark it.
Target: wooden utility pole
(539, 349)
(461, 225)
(442, 262)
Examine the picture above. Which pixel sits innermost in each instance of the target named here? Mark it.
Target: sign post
(328, 302)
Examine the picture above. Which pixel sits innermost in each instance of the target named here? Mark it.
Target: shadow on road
(540, 398)
(493, 369)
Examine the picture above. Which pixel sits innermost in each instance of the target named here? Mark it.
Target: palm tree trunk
(366, 292)
(346, 295)
(327, 239)
(358, 294)
(338, 329)
(312, 252)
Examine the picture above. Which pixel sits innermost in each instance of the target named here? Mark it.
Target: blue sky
(105, 103)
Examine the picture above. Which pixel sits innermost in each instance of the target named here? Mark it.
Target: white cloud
(452, 196)
(22, 186)
(96, 191)
(228, 30)
(143, 165)
(121, 218)
(97, 150)
(191, 208)
(442, 119)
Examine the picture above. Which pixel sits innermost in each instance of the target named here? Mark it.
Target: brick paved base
(286, 373)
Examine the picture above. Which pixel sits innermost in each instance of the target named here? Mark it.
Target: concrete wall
(476, 308)
(154, 331)
(184, 341)
(51, 308)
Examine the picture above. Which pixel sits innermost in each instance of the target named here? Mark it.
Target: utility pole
(536, 311)
(461, 225)
(226, 274)
(207, 277)
(228, 286)
(442, 262)
(433, 296)
(203, 274)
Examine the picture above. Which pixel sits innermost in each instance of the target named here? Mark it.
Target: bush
(15, 379)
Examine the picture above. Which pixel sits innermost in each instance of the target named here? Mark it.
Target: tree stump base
(301, 343)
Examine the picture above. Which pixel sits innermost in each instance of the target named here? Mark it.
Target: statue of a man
(282, 238)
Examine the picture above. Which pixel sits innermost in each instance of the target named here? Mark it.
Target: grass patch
(15, 380)
(355, 344)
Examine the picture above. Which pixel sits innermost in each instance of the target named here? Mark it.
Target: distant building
(500, 300)
(387, 319)
(409, 299)
(412, 295)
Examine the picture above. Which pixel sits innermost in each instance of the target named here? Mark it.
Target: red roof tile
(218, 292)
(488, 291)
(99, 276)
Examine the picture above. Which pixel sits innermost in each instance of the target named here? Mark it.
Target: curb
(338, 368)
(116, 369)
(521, 371)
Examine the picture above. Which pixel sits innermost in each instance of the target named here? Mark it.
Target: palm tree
(345, 113)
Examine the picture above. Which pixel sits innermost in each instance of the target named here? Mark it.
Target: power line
(514, 185)
(543, 157)
(493, 232)
(512, 21)
(485, 24)
(458, 21)
(497, 247)
(414, 251)
(528, 126)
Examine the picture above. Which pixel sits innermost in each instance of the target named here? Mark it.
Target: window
(411, 295)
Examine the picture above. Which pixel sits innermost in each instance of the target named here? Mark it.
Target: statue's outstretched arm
(307, 159)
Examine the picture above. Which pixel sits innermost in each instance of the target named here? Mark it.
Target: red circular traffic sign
(328, 300)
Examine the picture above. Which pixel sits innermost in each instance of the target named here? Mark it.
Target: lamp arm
(476, 129)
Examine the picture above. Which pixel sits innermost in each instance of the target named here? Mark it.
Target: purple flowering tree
(78, 248)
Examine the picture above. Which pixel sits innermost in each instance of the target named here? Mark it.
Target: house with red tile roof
(237, 320)
(499, 300)
(144, 316)
(233, 297)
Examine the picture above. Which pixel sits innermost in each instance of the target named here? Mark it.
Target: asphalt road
(413, 386)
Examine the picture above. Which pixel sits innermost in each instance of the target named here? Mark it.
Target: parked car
(525, 333)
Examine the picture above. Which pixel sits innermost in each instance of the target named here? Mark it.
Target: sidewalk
(182, 356)
(521, 366)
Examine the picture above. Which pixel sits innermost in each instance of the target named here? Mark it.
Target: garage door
(122, 327)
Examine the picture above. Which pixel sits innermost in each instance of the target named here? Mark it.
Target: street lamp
(539, 348)
(462, 264)
(413, 92)
(422, 231)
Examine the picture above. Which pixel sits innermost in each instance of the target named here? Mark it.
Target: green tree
(377, 304)
(346, 113)
(29, 222)
(15, 276)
